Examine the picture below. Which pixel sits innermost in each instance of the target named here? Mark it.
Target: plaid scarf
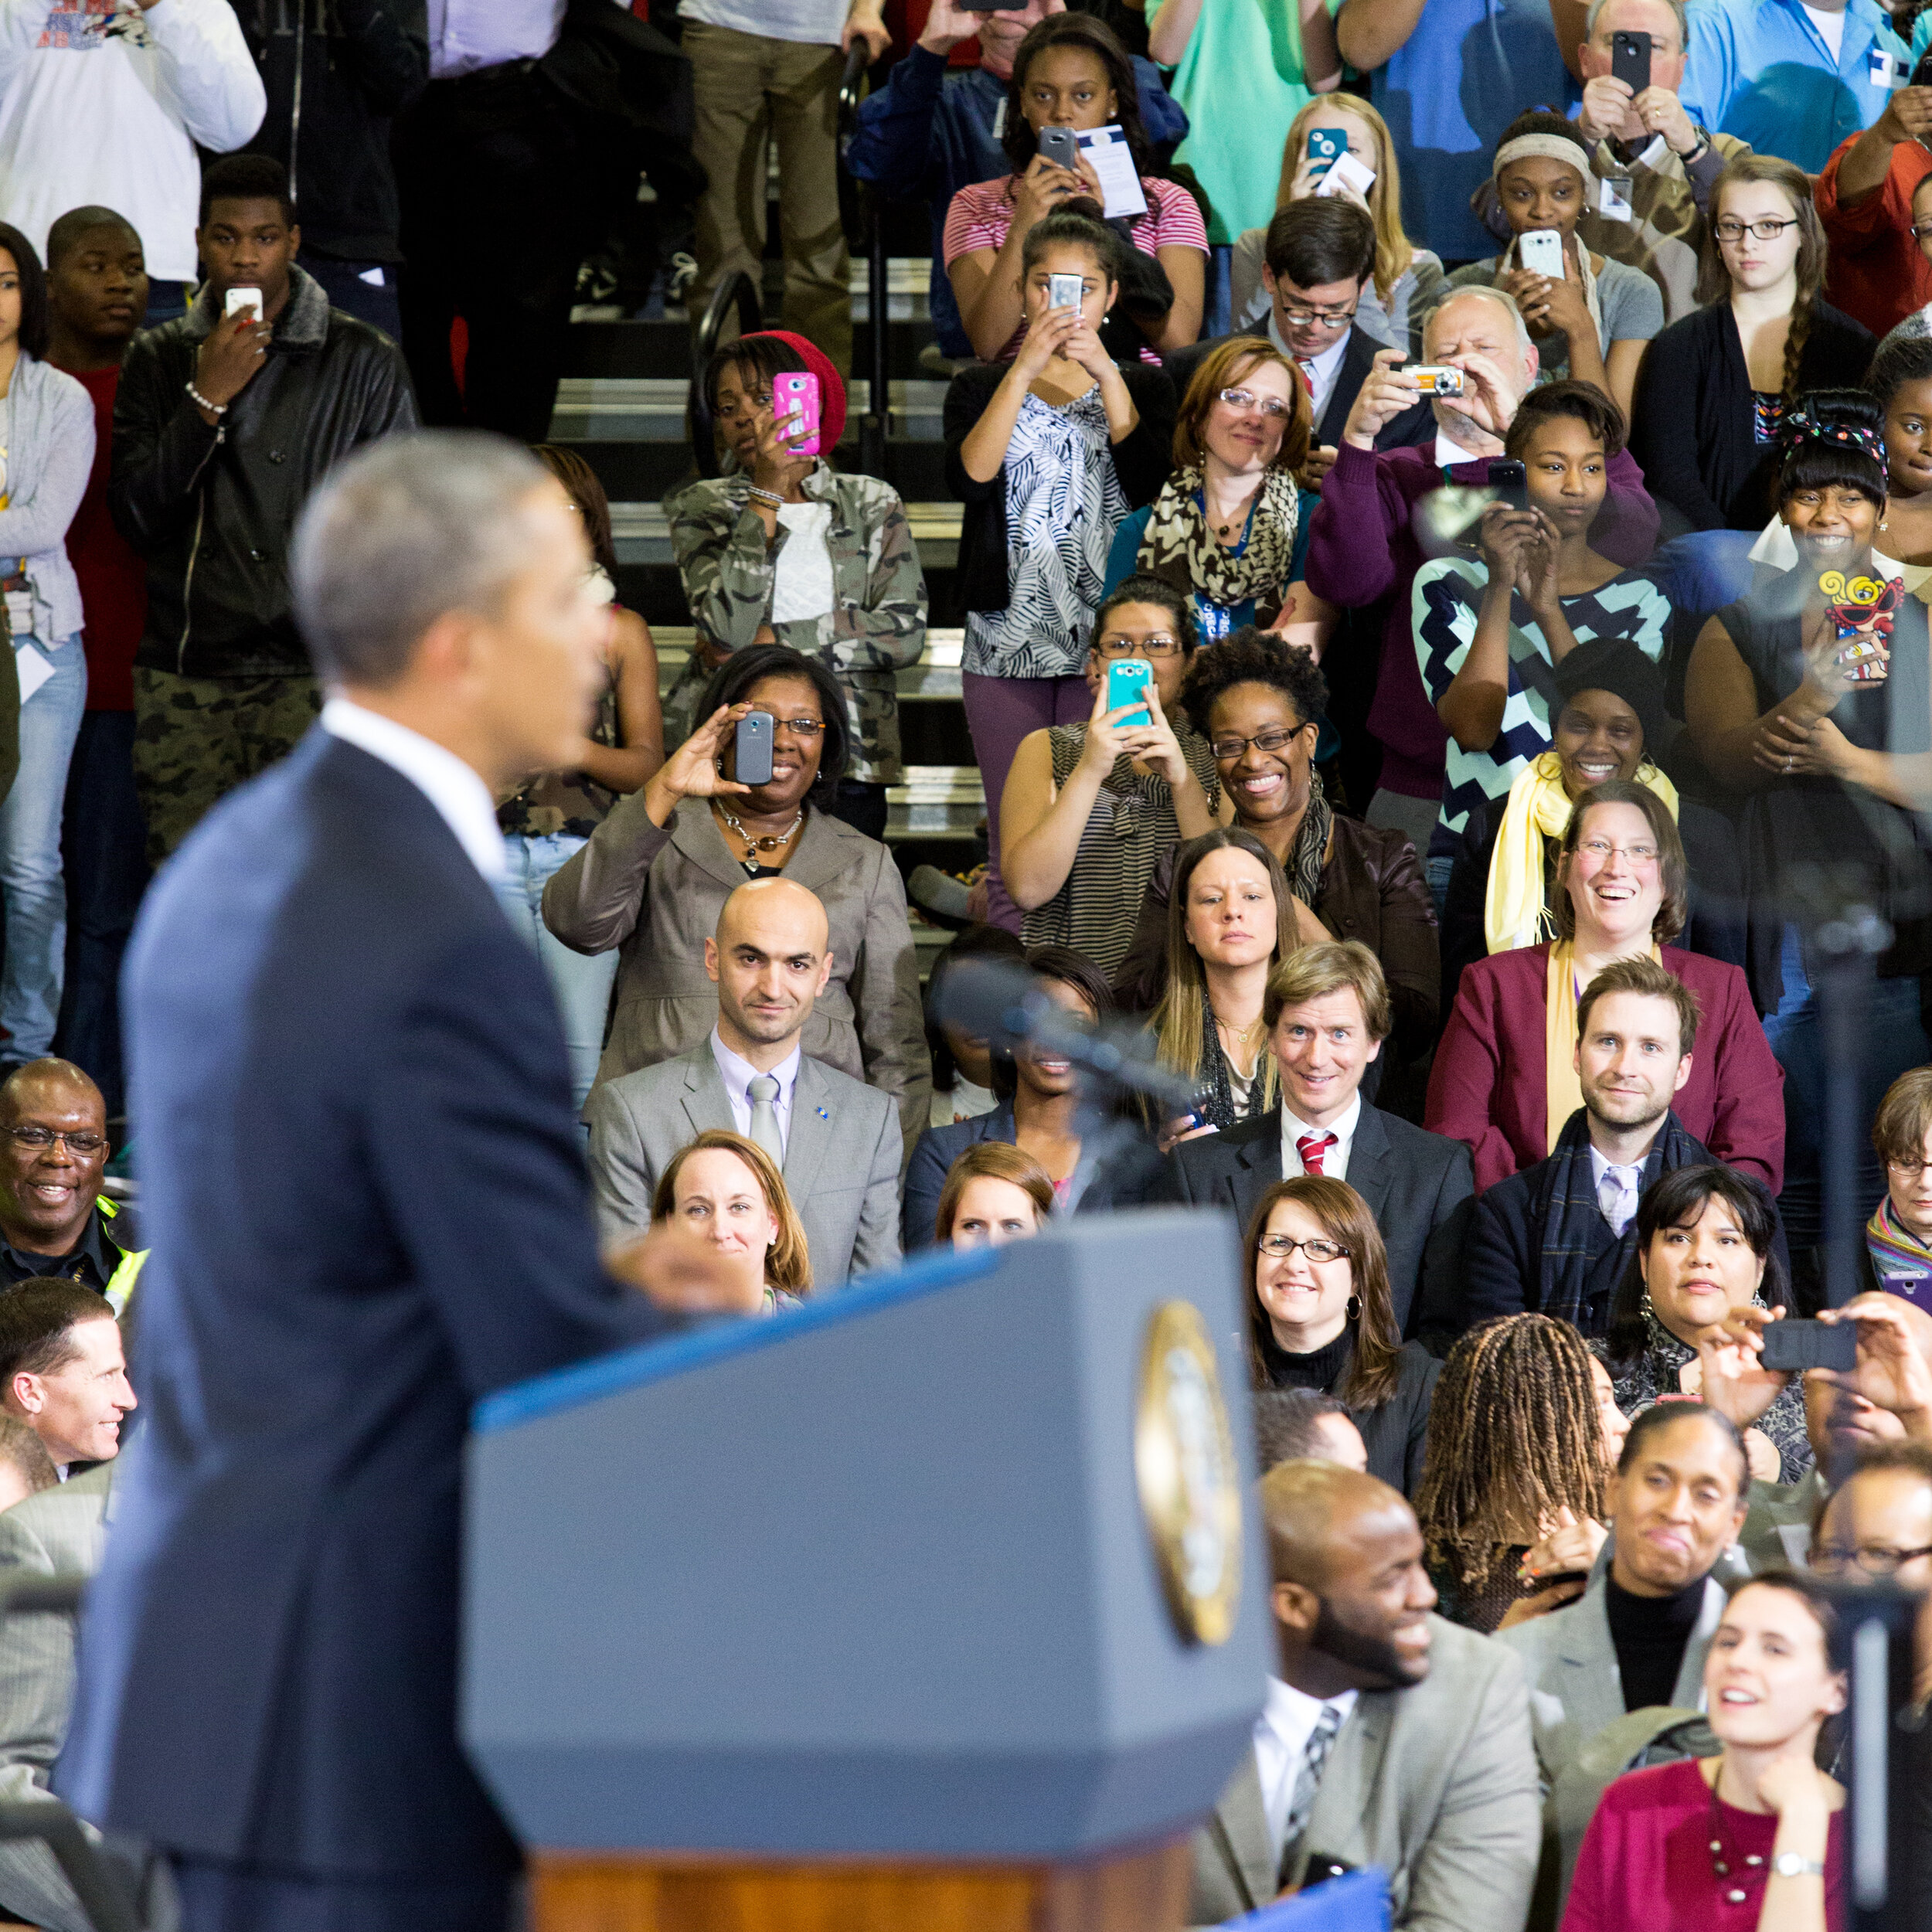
(1574, 1231)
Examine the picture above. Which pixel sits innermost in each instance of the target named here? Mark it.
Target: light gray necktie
(1308, 1782)
(1617, 1198)
(763, 1090)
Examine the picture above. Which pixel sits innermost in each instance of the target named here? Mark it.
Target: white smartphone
(1063, 292)
(242, 297)
(1346, 172)
(1541, 251)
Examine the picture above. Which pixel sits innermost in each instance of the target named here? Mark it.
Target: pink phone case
(796, 394)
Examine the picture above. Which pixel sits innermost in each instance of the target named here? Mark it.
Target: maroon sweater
(1361, 548)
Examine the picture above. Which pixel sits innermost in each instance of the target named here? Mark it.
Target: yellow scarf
(1515, 913)
(1562, 1091)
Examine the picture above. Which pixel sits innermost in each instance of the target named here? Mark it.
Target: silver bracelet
(772, 496)
(201, 401)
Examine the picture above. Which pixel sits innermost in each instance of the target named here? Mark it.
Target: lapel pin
(823, 1115)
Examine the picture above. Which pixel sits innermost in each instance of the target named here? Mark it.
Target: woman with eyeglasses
(1320, 1318)
(1716, 383)
(1505, 1080)
(1897, 1253)
(785, 548)
(656, 873)
(1258, 702)
(1089, 807)
(1817, 719)
(1228, 528)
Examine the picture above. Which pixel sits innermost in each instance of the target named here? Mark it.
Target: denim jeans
(32, 889)
(582, 985)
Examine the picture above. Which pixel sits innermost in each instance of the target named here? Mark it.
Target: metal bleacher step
(934, 678)
(642, 534)
(650, 409)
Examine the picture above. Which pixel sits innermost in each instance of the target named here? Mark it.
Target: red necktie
(1308, 375)
(1310, 1148)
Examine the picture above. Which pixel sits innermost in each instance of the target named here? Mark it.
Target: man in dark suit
(1327, 1012)
(1557, 1237)
(1321, 253)
(369, 1207)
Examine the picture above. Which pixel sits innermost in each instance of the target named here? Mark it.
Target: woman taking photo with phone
(1320, 1318)
(1815, 714)
(1071, 75)
(786, 549)
(1754, 1837)
(1590, 316)
(656, 873)
(1047, 453)
(1091, 808)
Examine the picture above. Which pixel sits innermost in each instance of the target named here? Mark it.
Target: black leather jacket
(213, 511)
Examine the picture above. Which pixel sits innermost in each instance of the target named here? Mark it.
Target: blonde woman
(728, 1190)
(1407, 280)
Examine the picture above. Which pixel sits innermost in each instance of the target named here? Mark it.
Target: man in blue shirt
(1790, 78)
(929, 132)
(1448, 80)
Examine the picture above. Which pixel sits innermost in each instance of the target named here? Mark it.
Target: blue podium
(940, 1600)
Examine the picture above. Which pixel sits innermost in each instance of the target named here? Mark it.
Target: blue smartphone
(751, 764)
(1126, 677)
(1326, 146)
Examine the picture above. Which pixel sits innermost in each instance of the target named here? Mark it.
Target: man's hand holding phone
(229, 358)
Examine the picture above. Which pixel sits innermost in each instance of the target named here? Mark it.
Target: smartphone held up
(796, 401)
(1126, 681)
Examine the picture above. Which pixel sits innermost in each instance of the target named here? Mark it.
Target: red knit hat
(832, 389)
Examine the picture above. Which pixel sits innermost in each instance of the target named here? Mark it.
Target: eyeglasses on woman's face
(1729, 230)
(1274, 739)
(1317, 1251)
(1271, 406)
(1156, 644)
(1601, 852)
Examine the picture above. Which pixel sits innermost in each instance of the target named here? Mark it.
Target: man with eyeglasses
(1319, 256)
(54, 1219)
(1877, 221)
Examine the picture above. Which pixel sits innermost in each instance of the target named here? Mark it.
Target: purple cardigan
(1361, 548)
(1488, 1088)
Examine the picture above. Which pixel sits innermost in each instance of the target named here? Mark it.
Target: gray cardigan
(49, 445)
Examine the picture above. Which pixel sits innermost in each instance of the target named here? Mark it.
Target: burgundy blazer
(1488, 1088)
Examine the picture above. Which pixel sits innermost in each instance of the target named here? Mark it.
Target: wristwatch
(1795, 1865)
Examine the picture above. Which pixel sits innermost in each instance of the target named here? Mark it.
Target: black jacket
(1413, 429)
(1418, 1186)
(216, 508)
(1691, 421)
(1141, 460)
(332, 87)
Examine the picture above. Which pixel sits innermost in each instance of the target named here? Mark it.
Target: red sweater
(1488, 1085)
(113, 580)
(1875, 273)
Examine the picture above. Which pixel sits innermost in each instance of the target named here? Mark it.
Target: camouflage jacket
(877, 618)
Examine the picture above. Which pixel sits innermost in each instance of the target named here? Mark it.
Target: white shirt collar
(1281, 1734)
(1447, 453)
(737, 1074)
(458, 793)
(1342, 1127)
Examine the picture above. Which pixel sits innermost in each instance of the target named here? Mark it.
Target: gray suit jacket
(1436, 1784)
(1777, 1527)
(60, 1531)
(841, 1154)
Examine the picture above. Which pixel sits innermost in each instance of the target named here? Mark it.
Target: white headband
(1543, 147)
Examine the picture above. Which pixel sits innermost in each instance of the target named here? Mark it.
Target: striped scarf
(1893, 1249)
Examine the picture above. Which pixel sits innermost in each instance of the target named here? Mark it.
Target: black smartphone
(1511, 482)
(752, 765)
(1061, 146)
(1629, 60)
(1321, 1868)
(1795, 1345)
(1922, 73)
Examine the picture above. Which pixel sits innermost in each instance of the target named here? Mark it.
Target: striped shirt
(1447, 600)
(981, 217)
(1131, 825)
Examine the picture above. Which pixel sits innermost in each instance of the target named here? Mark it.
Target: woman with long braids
(1523, 1437)
(1715, 384)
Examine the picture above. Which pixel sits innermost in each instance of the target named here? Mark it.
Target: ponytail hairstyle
(1073, 226)
(1714, 281)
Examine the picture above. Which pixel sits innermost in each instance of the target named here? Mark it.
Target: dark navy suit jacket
(367, 1203)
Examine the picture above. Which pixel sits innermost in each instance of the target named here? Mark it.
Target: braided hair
(1513, 1437)
(1714, 282)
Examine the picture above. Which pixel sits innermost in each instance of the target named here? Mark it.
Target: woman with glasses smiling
(1320, 1317)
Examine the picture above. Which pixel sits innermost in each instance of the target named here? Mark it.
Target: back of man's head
(406, 530)
(26, 1467)
(1319, 240)
(1291, 1425)
(1308, 1508)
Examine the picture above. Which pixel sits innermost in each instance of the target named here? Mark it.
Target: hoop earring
(1354, 1313)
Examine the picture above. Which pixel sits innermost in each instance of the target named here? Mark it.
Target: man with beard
(1389, 1737)
(836, 1140)
(1556, 1238)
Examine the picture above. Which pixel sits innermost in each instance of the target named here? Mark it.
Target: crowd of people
(1445, 506)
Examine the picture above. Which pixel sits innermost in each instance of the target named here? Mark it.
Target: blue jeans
(31, 887)
(582, 986)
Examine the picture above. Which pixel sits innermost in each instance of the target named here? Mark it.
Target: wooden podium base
(1143, 1890)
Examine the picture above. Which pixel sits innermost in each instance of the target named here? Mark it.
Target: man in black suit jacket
(368, 1205)
(1321, 253)
(1327, 1012)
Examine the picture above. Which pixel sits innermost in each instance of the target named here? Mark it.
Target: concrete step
(642, 534)
(648, 471)
(628, 347)
(650, 409)
(934, 678)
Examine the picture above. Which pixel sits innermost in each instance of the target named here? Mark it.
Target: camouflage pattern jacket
(877, 618)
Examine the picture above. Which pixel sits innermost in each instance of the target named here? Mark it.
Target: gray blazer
(1437, 1784)
(657, 892)
(841, 1154)
(1778, 1526)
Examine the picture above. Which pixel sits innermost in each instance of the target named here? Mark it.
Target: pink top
(981, 216)
(1646, 1859)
